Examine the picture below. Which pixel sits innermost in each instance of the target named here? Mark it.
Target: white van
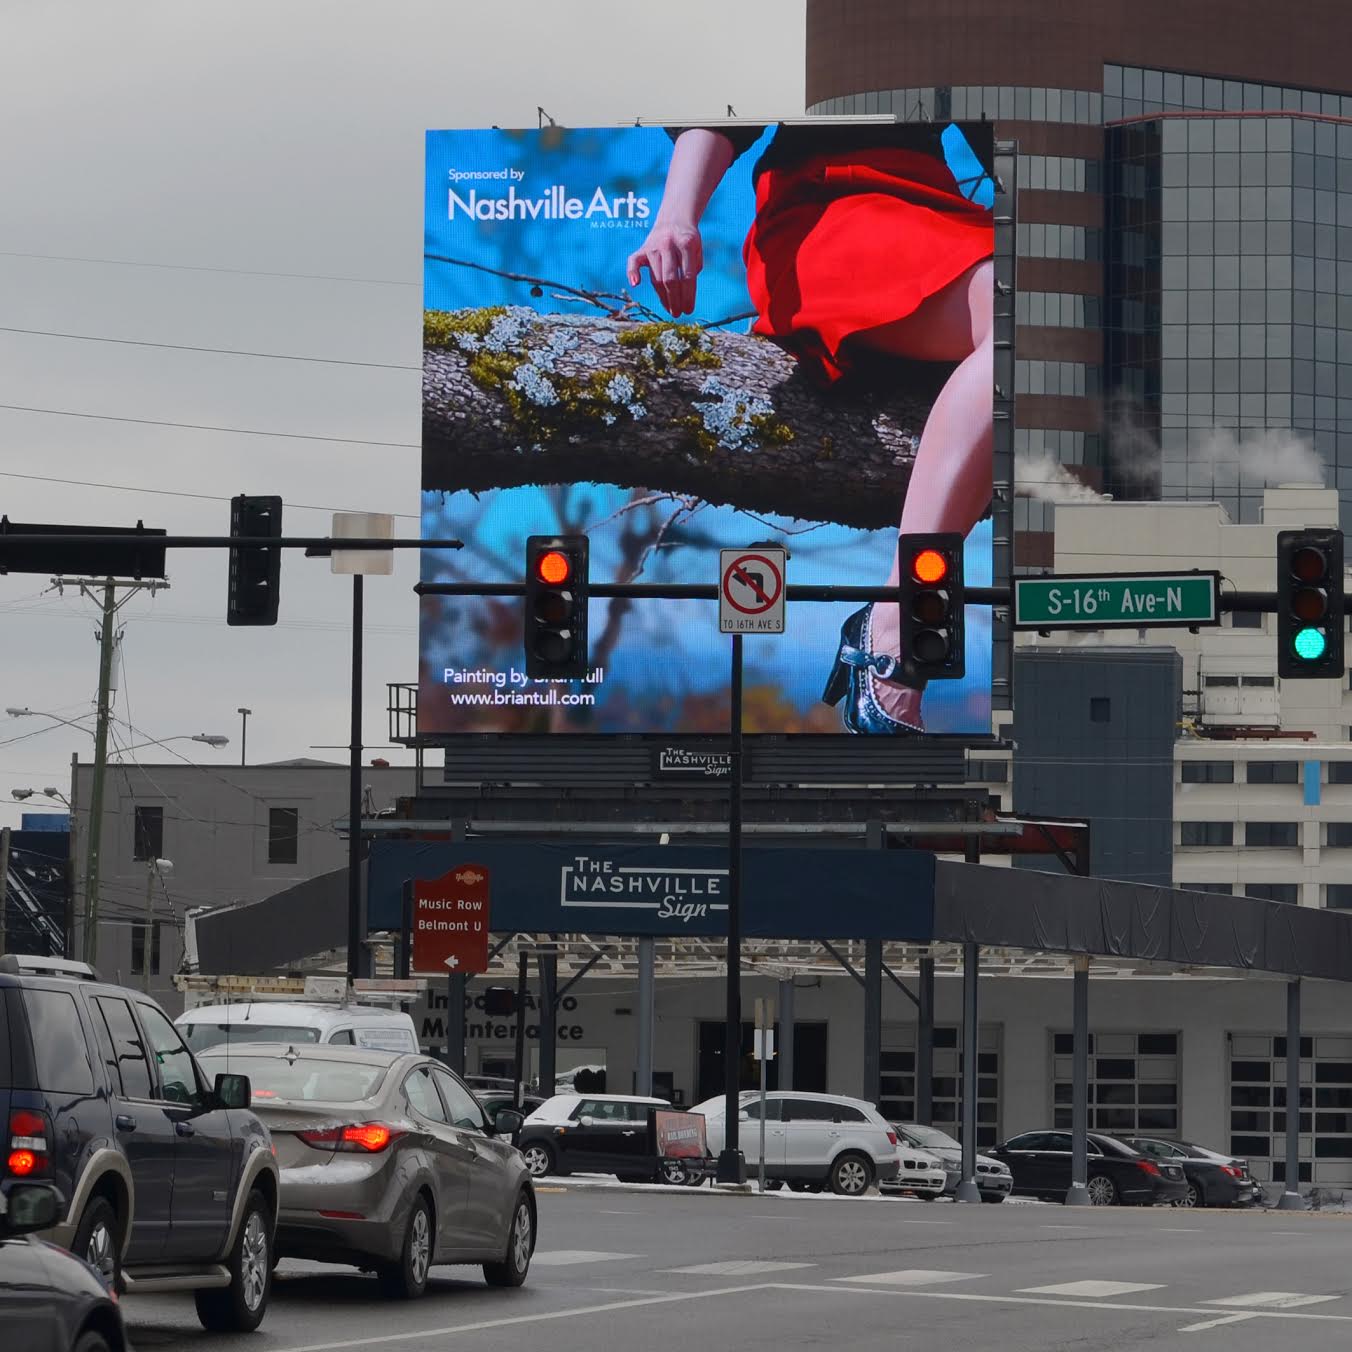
(297, 1021)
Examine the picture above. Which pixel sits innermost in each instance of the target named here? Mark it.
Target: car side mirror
(233, 1091)
(744, 1117)
(29, 1207)
(586, 1121)
(507, 1121)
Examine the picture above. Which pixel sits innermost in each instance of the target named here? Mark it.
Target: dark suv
(172, 1181)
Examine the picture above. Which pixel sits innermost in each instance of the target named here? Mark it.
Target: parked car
(1040, 1163)
(600, 1134)
(993, 1179)
(171, 1178)
(339, 1023)
(1213, 1179)
(426, 1177)
(815, 1141)
(493, 1099)
(50, 1301)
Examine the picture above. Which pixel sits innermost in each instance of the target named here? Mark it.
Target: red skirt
(843, 243)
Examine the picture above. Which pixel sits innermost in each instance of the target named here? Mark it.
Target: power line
(208, 427)
(196, 267)
(220, 351)
(173, 493)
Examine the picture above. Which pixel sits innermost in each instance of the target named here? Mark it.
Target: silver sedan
(388, 1162)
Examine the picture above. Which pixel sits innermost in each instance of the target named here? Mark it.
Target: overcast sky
(228, 144)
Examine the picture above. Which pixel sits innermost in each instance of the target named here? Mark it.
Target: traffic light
(556, 607)
(499, 1002)
(931, 607)
(255, 570)
(1310, 603)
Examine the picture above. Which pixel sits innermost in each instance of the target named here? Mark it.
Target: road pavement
(617, 1269)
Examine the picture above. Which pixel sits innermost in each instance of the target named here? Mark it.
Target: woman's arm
(673, 252)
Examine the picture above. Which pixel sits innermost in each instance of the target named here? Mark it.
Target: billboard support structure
(731, 1162)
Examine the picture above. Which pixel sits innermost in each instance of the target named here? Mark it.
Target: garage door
(1133, 1082)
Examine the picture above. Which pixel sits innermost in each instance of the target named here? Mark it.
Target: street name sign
(1117, 601)
(751, 590)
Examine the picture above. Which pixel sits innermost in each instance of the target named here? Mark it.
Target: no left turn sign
(751, 590)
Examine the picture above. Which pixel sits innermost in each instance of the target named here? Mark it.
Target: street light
(155, 868)
(243, 732)
(211, 739)
(22, 794)
(52, 792)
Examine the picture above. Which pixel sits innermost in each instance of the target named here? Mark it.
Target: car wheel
(239, 1307)
(407, 1279)
(96, 1239)
(851, 1175)
(92, 1341)
(1102, 1190)
(540, 1159)
(1195, 1197)
(520, 1245)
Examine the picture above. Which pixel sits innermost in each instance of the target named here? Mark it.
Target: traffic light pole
(354, 793)
(731, 1162)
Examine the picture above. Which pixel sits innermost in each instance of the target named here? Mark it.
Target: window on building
(1340, 772)
(1208, 772)
(1286, 892)
(138, 949)
(1207, 833)
(1100, 709)
(1274, 772)
(1338, 896)
(1338, 835)
(283, 834)
(1272, 835)
(988, 771)
(1220, 889)
(148, 832)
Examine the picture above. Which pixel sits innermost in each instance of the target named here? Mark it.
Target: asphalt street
(616, 1268)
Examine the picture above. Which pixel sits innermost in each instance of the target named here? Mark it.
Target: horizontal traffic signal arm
(238, 541)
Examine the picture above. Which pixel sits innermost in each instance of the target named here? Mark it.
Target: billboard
(678, 340)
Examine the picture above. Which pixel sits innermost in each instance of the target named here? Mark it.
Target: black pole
(971, 965)
(924, 1047)
(731, 1163)
(455, 1022)
(522, 973)
(406, 930)
(549, 1021)
(354, 795)
(1291, 1200)
(1079, 1113)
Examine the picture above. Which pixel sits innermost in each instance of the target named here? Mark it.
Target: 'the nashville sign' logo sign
(680, 762)
(683, 894)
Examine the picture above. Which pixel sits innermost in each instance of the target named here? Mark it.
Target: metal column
(643, 1079)
(455, 1022)
(1079, 1144)
(784, 1051)
(549, 1021)
(971, 962)
(873, 1020)
(354, 915)
(1291, 1200)
(924, 1047)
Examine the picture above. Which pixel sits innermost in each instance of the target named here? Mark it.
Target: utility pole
(104, 593)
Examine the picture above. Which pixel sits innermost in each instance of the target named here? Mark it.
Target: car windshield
(201, 1036)
(929, 1136)
(303, 1079)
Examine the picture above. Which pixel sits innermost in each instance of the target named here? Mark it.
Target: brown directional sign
(450, 921)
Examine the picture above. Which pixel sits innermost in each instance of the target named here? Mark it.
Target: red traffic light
(1308, 564)
(553, 567)
(929, 566)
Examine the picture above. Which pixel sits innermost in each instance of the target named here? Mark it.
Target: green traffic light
(1310, 644)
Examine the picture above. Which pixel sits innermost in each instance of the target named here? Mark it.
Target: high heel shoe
(853, 676)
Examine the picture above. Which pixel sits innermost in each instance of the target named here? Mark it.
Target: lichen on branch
(512, 397)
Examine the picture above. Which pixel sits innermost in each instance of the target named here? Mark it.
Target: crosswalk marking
(1091, 1289)
(912, 1277)
(743, 1267)
(570, 1257)
(1216, 1323)
(1272, 1300)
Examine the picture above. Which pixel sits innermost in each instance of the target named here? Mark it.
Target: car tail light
(892, 1138)
(1148, 1167)
(28, 1145)
(1232, 1171)
(363, 1138)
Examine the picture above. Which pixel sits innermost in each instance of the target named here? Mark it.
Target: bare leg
(951, 479)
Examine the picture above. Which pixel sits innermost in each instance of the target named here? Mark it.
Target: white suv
(812, 1141)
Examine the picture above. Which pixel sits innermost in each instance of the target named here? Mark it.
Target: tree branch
(514, 398)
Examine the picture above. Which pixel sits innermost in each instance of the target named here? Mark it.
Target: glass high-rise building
(1185, 225)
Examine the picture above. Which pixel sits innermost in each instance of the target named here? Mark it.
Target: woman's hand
(674, 254)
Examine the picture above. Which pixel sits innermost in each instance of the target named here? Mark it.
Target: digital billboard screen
(677, 340)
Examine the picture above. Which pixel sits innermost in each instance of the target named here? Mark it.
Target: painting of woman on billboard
(857, 251)
(681, 340)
